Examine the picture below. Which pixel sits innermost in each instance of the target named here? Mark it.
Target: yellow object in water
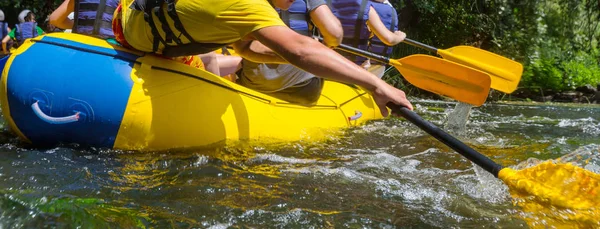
(97, 94)
(560, 194)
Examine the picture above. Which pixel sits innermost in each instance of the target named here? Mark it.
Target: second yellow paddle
(437, 75)
(505, 73)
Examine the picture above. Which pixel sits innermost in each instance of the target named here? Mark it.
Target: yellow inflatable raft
(70, 88)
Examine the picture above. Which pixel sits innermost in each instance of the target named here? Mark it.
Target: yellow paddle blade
(562, 194)
(444, 77)
(505, 73)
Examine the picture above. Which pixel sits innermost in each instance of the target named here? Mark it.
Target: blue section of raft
(2, 63)
(62, 80)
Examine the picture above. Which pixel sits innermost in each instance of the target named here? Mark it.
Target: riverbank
(582, 95)
(587, 94)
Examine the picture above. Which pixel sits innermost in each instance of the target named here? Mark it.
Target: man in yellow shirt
(190, 27)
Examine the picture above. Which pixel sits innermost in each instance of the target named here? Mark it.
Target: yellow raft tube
(70, 88)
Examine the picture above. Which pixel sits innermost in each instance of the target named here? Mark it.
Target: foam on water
(408, 180)
(261, 158)
(587, 125)
(220, 226)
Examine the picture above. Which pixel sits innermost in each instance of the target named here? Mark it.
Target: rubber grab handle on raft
(468, 152)
(53, 120)
(356, 116)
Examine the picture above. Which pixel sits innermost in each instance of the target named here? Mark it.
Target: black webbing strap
(19, 33)
(99, 15)
(355, 40)
(299, 17)
(76, 21)
(359, 24)
(285, 17)
(169, 35)
(148, 8)
(176, 21)
(394, 22)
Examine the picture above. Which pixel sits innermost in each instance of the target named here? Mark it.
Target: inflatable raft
(70, 88)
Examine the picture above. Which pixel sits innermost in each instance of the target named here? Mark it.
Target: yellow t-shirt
(207, 21)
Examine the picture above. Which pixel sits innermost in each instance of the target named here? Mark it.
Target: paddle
(562, 185)
(505, 73)
(436, 75)
(447, 139)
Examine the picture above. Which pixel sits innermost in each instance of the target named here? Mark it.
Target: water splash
(586, 125)
(457, 119)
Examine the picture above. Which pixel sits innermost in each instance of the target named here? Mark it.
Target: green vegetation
(557, 41)
(41, 8)
(25, 209)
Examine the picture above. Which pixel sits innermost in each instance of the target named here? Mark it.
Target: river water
(387, 174)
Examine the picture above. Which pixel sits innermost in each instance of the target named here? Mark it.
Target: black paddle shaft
(363, 53)
(447, 139)
(420, 45)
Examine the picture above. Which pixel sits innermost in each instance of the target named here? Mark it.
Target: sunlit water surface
(387, 174)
